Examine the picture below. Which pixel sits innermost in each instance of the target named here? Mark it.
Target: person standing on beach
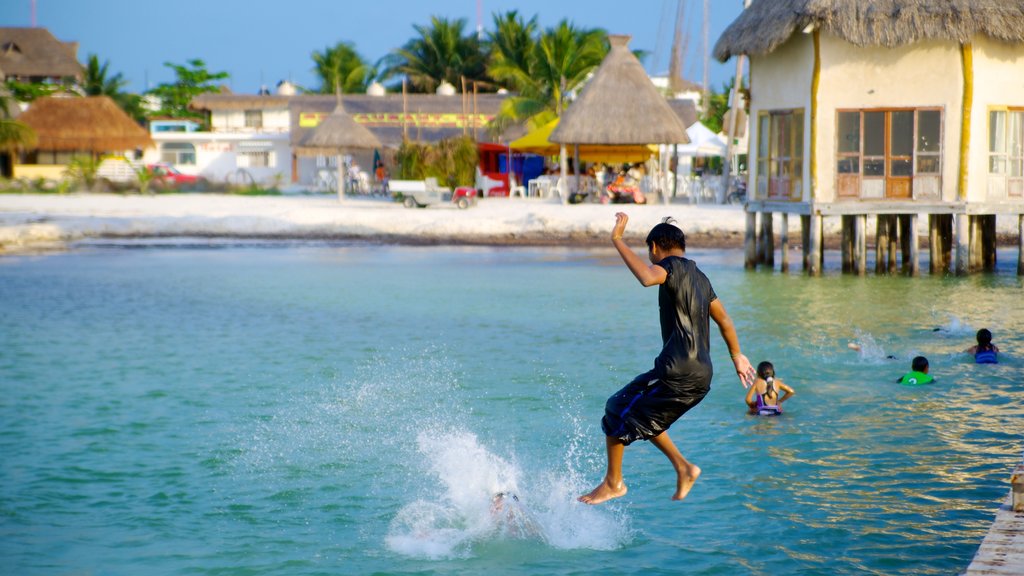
(646, 407)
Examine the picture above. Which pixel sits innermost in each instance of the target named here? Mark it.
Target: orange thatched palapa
(93, 124)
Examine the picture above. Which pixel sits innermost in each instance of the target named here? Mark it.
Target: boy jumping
(681, 377)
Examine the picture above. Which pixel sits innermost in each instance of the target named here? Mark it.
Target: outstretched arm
(744, 370)
(647, 275)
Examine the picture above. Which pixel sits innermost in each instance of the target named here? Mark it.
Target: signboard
(397, 119)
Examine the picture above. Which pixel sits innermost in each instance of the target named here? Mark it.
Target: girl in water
(763, 397)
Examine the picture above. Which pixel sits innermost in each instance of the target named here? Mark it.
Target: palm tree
(561, 60)
(510, 45)
(95, 82)
(342, 67)
(14, 135)
(441, 53)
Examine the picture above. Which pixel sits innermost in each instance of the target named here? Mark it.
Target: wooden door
(899, 153)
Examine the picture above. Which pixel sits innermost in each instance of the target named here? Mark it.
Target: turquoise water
(288, 408)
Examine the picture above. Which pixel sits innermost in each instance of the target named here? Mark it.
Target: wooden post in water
(767, 224)
(805, 241)
(814, 254)
(935, 261)
(975, 249)
(881, 243)
(963, 243)
(988, 241)
(1020, 245)
(914, 245)
(750, 241)
(860, 242)
(846, 243)
(893, 241)
(784, 242)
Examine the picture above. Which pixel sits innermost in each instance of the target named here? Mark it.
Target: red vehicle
(170, 176)
(493, 168)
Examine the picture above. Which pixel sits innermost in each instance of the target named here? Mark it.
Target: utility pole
(734, 121)
(675, 62)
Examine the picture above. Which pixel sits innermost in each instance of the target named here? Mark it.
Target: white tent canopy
(703, 142)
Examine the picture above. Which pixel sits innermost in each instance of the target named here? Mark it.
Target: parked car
(171, 177)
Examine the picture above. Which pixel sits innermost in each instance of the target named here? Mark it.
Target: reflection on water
(333, 408)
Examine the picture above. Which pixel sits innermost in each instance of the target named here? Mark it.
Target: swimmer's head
(919, 364)
(766, 371)
(984, 337)
(666, 236)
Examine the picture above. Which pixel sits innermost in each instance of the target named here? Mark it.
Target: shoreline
(35, 223)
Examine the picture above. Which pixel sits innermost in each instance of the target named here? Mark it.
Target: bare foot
(687, 477)
(604, 492)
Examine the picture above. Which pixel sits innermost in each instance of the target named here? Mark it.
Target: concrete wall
(998, 82)
(782, 81)
(926, 74)
(274, 120)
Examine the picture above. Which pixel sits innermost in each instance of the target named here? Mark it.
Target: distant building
(888, 109)
(34, 55)
(259, 134)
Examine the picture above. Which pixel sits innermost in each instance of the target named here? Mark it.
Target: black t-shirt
(685, 301)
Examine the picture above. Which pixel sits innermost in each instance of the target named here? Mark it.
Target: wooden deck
(1002, 551)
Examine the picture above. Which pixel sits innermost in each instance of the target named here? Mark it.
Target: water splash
(477, 496)
(868, 349)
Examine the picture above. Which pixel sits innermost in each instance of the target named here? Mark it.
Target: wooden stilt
(860, 241)
(904, 235)
(1020, 245)
(760, 238)
(988, 242)
(881, 244)
(935, 263)
(805, 241)
(894, 233)
(750, 241)
(769, 239)
(815, 253)
(846, 243)
(975, 236)
(784, 242)
(914, 244)
(963, 244)
(947, 241)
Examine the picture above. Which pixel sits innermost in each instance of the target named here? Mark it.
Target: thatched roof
(335, 133)
(34, 52)
(620, 105)
(767, 24)
(94, 124)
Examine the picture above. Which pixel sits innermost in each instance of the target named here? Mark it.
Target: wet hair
(919, 364)
(766, 371)
(666, 236)
(984, 338)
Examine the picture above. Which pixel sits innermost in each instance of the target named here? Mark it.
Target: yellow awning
(536, 142)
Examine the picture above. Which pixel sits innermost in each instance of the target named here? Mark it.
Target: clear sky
(260, 43)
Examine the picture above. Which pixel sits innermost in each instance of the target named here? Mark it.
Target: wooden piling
(814, 254)
(846, 243)
(893, 227)
(805, 241)
(988, 242)
(784, 242)
(935, 255)
(974, 256)
(1020, 245)
(881, 244)
(750, 241)
(913, 243)
(860, 241)
(769, 239)
(963, 244)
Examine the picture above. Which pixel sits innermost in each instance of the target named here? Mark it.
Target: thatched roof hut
(35, 53)
(768, 24)
(94, 124)
(337, 132)
(620, 105)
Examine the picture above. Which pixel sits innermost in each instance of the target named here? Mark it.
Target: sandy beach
(40, 222)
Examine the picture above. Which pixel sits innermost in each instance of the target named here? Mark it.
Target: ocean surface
(222, 408)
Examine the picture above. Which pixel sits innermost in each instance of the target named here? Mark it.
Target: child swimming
(918, 373)
(984, 352)
(763, 397)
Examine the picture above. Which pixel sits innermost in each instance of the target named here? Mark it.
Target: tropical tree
(509, 47)
(96, 82)
(340, 66)
(190, 81)
(14, 135)
(561, 60)
(441, 52)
